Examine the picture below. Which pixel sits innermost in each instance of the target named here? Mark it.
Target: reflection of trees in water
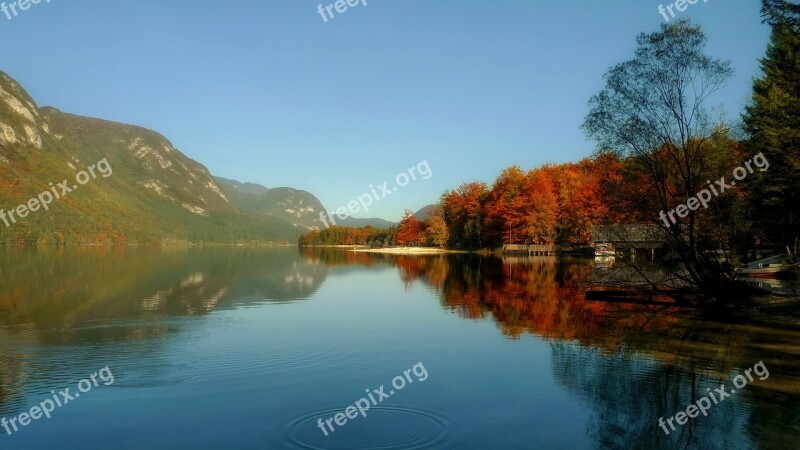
(68, 309)
(628, 394)
(333, 257)
(633, 363)
(54, 287)
(541, 296)
(629, 274)
(776, 418)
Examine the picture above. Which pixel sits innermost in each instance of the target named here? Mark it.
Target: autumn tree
(562, 201)
(541, 211)
(628, 192)
(411, 230)
(581, 202)
(653, 108)
(506, 205)
(463, 211)
(436, 229)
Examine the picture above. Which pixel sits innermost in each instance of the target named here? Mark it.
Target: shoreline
(405, 250)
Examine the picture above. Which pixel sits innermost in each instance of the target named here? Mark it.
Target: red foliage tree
(411, 230)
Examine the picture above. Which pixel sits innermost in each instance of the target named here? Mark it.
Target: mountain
(357, 223)
(245, 188)
(148, 191)
(424, 213)
(299, 208)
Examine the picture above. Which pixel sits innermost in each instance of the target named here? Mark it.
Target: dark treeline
(369, 236)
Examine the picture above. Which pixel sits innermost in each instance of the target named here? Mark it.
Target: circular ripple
(387, 428)
(152, 375)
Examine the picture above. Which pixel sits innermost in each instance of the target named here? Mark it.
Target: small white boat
(604, 250)
(772, 267)
(604, 262)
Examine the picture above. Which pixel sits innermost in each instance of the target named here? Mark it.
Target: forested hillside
(299, 208)
(153, 193)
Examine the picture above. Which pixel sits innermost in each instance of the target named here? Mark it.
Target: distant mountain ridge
(299, 208)
(245, 188)
(425, 212)
(356, 222)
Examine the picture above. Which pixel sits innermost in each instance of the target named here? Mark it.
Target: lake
(245, 348)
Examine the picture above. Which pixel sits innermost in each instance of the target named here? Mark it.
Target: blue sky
(266, 91)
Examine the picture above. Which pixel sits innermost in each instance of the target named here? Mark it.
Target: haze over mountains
(300, 208)
(155, 193)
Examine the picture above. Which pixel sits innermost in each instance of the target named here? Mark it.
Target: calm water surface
(248, 348)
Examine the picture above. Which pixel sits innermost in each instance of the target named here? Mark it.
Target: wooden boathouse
(541, 246)
(648, 238)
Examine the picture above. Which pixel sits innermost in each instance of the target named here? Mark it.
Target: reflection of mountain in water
(62, 310)
(58, 287)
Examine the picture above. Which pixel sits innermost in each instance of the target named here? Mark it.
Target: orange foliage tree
(411, 230)
(554, 201)
(464, 213)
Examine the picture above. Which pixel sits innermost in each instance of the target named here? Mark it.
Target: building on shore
(539, 246)
(632, 239)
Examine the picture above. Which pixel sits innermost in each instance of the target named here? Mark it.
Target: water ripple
(387, 428)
